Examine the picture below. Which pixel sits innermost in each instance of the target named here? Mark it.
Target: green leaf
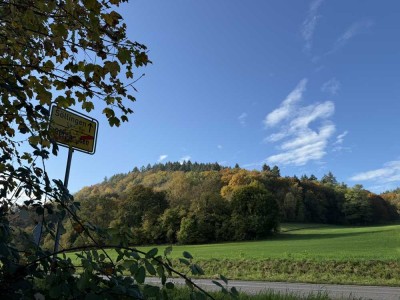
(88, 106)
(196, 270)
(112, 67)
(34, 139)
(135, 255)
(187, 255)
(153, 252)
(140, 275)
(133, 268)
(223, 278)
(150, 268)
(234, 292)
(151, 291)
(184, 261)
(169, 285)
(114, 121)
(124, 55)
(167, 251)
(217, 283)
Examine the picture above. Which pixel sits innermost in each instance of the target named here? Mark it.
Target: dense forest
(201, 203)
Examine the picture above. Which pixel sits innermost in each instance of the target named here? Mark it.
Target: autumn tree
(66, 53)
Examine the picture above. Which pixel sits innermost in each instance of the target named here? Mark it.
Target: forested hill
(198, 203)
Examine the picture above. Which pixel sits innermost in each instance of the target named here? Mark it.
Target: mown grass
(308, 242)
(306, 253)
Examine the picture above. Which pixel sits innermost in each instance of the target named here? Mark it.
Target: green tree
(138, 210)
(207, 221)
(357, 207)
(329, 179)
(313, 178)
(62, 53)
(255, 213)
(275, 171)
(266, 168)
(66, 53)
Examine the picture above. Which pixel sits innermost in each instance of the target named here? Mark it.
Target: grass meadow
(308, 242)
(306, 253)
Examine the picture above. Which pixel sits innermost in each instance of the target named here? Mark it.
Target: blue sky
(311, 86)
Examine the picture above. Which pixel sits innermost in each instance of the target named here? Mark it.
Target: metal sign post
(66, 178)
(76, 131)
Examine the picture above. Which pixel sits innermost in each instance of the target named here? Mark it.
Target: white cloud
(276, 137)
(162, 157)
(184, 158)
(337, 145)
(299, 142)
(311, 113)
(309, 137)
(304, 147)
(332, 86)
(242, 119)
(310, 23)
(286, 109)
(384, 177)
(354, 29)
(340, 138)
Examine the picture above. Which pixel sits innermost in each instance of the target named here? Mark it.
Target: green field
(309, 241)
(306, 253)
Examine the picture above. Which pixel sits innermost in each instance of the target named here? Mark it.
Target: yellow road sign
(72, 129)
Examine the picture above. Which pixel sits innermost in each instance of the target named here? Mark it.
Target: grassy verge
(184, 294)
(338, 272)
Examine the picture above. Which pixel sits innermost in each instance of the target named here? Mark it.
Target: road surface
(303, 289)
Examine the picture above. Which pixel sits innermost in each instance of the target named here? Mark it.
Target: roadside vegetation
(314, 253)
(184, 294)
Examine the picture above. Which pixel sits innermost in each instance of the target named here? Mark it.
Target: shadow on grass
(310, 236)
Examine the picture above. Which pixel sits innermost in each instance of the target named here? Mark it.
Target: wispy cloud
(286, 109)
(338, 144)
(242, 119)
(385, 177)
(184, 158)
(307, 146)
(162, 157)
(340, 138)
(310, 23)
(299, 142)
(332, 86)
(354, 29)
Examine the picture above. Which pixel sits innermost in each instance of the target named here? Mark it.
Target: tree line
(210, 203)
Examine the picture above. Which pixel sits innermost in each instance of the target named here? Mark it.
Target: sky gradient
(310, 86)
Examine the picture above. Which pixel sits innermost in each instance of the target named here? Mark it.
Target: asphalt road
(303, 289)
